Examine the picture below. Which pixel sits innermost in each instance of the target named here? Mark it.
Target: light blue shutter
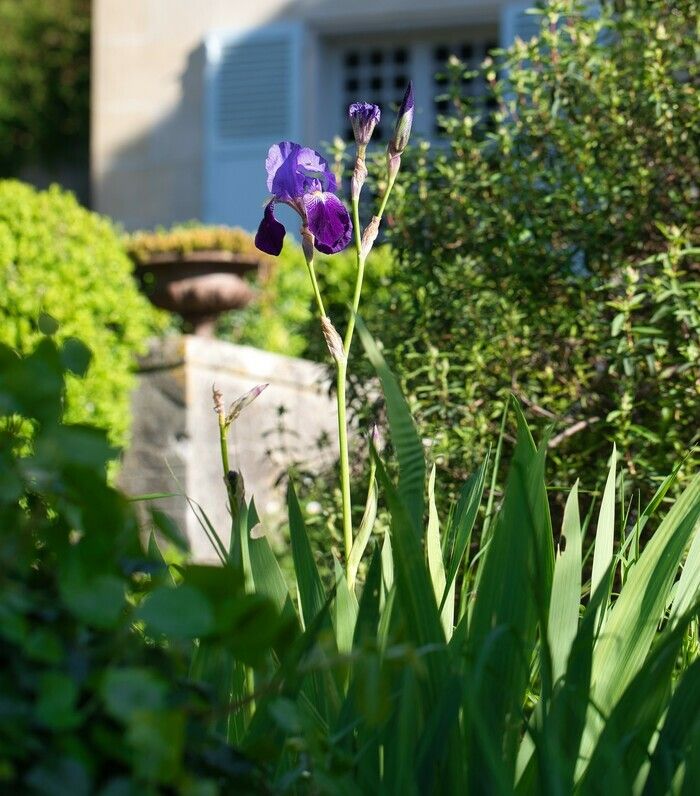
(516, 22)
(253, 98)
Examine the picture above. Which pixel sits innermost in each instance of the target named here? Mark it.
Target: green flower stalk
(302, 179)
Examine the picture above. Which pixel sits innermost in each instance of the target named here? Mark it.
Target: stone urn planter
(179, 272)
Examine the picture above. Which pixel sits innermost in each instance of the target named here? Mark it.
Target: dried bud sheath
(333, 341)
(369, 236)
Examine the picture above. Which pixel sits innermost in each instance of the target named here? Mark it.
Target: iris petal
(329, 221)
(284, 180)
(270, 233)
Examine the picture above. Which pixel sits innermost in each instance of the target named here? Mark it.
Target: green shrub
(551, 249)
(98, 695)
(57, 258)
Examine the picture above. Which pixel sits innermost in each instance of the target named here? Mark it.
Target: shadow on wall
(157, 177)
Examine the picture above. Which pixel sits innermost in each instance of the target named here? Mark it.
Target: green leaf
(631, 624)
(75, 356)
(624, 739)
(130, 690)
(409, 450)
(344, 611)
(364, 532)
(56, 701)
(513, 582)
(169, 529)
(97, 601)
(180, 612)
(688, 586)
(47, 324)
(311, 592)
(566, 588)
(436, 564)
(681, 723)
(605, 532)
(414, 591)
(463, 523)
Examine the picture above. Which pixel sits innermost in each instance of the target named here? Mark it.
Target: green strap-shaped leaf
(566, 588)
(312, 595)
(605, 532)
(436, 565)
(631, 624)
(404, 436)
(513, 580)
(681, 723)
(364, 532)
(622, 746)
(463, 523)
(344, 611)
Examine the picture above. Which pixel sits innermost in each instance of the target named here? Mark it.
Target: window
(377, 71)
(376, 75)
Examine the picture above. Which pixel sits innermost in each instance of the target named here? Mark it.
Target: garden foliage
(96, 632)
(450, 666)
(551, 249)
(59, 260)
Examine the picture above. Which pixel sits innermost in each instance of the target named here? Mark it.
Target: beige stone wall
(146, 150)
(175, 440)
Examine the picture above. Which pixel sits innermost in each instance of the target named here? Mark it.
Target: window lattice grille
(375, 75)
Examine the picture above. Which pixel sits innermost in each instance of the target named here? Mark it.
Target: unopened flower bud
(364, 117)
(333, 341)
(404, 122)
(377, 438)
(218, 397)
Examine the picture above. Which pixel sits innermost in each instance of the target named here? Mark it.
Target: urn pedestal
(198, 285)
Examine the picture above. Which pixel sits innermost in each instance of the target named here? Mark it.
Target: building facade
(187, 97)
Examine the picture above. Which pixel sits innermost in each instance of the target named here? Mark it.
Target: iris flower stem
(341, 372)
(360, 276)
(314, 283)
(341, 369)
(223, 444)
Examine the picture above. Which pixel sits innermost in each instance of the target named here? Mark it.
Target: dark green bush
(550, 250)
(97, 693)
(44, 82)
(57, 258)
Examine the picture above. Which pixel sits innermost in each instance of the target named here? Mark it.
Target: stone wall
(175, 445)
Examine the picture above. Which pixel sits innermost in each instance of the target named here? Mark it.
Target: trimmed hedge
(58, 259)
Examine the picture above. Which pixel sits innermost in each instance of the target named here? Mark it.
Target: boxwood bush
(59, 260)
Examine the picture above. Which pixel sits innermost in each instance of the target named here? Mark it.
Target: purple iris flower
(301, 178)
